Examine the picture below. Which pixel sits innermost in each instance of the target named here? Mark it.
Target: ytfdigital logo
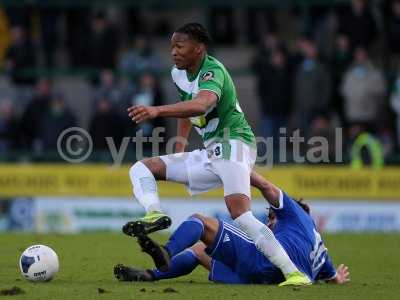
(38, 274)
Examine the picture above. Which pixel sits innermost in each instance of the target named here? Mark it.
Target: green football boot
(151, 222)
(296, 279)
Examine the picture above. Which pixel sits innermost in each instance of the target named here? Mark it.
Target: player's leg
(199, 249)
(143, 175)
(186, 261)
(264, 239)
(191, 231)
(237, 198)
(181, 264)
(180, 256)
(271, 193)
(187, 234)
(196, 228)
(221, 240)
(232, 256)
(218, 271)
(239, 208)
(228, 246)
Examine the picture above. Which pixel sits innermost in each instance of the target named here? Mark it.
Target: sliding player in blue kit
(231, 257)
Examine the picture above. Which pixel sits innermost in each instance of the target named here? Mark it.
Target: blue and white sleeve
(327, 271)
(287, 206)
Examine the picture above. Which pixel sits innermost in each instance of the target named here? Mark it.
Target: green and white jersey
(225, 120)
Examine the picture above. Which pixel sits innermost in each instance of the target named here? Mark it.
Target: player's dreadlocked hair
(197, 32)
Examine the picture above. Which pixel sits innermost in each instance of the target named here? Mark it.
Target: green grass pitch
(87, 260)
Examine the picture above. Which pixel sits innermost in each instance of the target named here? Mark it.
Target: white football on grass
(38, 263)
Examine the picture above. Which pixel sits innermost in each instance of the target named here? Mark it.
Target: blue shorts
(236, 260)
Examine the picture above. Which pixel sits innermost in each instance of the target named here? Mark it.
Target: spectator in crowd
(4, 35)
(76, 33)
(341, 60)
(140, 58)
(136, 21)
(325, 33)
(395, 105)
(322, 126)
(270, 42)
(9, 127)
(34, 113)
(274, 91)
(393, 28)
(359, 24)
(297, 55)
(222, 24)
(363, 89)
(49, 35)
(115, 92)
(57, 118)
(312, 88)
(148, 93)
(20, 58)
(105, 123)
(393, 38)
(101, 44)
(259, 20)
(20, 15)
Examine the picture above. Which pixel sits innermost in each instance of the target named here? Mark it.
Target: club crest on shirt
(207, 76)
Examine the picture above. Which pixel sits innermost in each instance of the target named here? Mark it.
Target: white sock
(145, 187)
(266, 242)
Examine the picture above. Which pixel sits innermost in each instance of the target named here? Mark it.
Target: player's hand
(141, 113)
(342, 274)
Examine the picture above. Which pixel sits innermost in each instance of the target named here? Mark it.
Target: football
(38, 263)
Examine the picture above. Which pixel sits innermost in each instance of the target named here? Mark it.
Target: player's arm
(204, 100)
(342, 275)
(183, 130)
(330, 274)
(279, 201)
(269, 191)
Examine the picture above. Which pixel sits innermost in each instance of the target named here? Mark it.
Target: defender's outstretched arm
(342, 275)
(269, 191)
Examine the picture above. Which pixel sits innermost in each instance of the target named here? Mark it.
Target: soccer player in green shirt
(210, 105)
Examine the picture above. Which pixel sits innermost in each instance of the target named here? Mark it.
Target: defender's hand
(342, 275)
(141, 113)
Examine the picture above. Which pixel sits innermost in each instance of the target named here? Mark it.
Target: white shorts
(220, 164)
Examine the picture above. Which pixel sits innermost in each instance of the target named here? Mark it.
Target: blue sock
(181, 264)
(186, 235)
